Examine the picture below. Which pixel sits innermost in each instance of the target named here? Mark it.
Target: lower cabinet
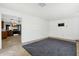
(4, 34)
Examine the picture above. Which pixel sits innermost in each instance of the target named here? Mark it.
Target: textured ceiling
(49, 11)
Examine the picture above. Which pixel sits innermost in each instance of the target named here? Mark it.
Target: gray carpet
(51, 47)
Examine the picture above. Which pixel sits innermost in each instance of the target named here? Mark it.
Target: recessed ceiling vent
(42, 4)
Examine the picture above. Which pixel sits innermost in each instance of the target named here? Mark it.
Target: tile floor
(77, 47)
(12, 47)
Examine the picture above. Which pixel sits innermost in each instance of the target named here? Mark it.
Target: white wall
(69, 31)
(33, 28)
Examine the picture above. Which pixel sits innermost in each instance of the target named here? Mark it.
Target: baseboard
(25, 43)
(64, 39)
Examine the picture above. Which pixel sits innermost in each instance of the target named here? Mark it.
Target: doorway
(11, 30)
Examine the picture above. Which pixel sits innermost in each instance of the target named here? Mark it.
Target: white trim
(25, 43)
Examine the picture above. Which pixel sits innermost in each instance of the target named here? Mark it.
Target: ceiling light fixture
(42, 4)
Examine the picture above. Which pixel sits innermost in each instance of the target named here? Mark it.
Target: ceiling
(49, 11)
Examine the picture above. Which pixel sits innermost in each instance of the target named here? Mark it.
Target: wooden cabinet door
(4, 34)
